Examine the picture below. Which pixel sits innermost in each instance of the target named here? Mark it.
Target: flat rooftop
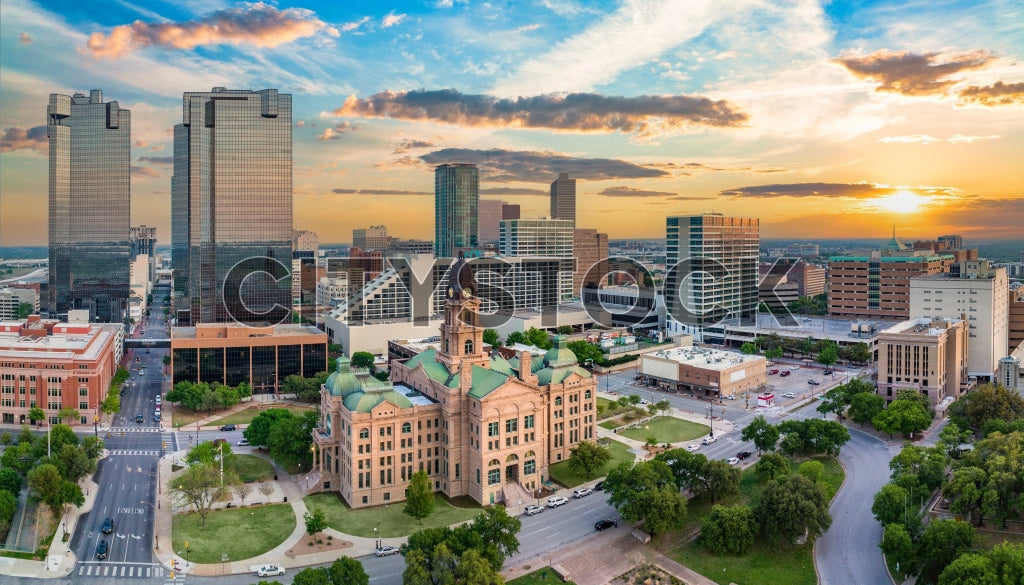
(704, 357)
(922, 326)
(415, 396)
(831, 327)
(290, 329)
(58, 345)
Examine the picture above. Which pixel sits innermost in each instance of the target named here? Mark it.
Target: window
(586, 395)
(364, 433)
(406, 428)
(83, 391)
(478, 476)
(469, 346)
(530, 467)
(492, 429)
(493, 476)
(558, 401)
(511, 425)
(528, 421)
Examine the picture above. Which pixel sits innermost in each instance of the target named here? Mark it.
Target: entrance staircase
(516, 497)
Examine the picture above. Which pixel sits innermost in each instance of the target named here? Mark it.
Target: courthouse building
(478, 424)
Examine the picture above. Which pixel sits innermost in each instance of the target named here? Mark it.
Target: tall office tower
(489, 215)
(712, 262)
(563, 197)
(143, 240)
(373, 238)
(231, 207)
(590, 250)
(543, 238)
(456, 202)
(89, 203)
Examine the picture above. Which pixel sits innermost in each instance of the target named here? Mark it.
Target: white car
(243, 443)
(692, 448)
(533, 509)
(269, 571)
(733, 460)
(158, 399)
(789, 395)
(707, 440)
(556, 501)
(581, 492)
(386, 550)
(794, 367)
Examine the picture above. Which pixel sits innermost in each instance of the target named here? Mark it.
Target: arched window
(494, 463)
(586, 395)
(364, 433)
(530, 453)
(406, 428)
(469, 346)
(558, 401)
(512, 458)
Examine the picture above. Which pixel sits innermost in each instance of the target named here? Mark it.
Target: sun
(901, 202)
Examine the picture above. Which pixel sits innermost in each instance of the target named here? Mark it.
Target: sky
(824, 119)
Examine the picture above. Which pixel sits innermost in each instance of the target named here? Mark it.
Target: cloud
(351, 26)
(910, 138)
(336, 132)
(911, 74)
(514, 191)
(836, 190)
(580, 112)
(688, 198)
(141, 143)
(17, 138)
(256, 24)
(137, 171)
(404, 146)
(300, 123)
(997, 94)
(392, 19)
(157, 160)
(959, 138)
(505, 166)
(344, 191)
(624, 191)
(25, 39)
(158, 148)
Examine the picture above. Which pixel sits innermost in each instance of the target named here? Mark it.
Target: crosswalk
(152, 452)
(111, 570)
(120, 430)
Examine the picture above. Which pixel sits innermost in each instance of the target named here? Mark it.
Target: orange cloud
(997, 94)
(257, 24)
(16, 138)
(910, 74)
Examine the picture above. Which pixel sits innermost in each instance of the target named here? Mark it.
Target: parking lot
(797, 381)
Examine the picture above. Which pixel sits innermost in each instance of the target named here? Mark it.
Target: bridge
(144, 342)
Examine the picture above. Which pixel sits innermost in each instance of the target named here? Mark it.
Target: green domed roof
(364, 402)
(343, 381)
(560, 355)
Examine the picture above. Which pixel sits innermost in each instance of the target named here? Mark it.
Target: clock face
(451, 292)
(467, 291)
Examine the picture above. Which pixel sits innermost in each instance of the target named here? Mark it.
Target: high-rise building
(712, 262)
(456, 201)
(563, 198)
(143, 240)
(510, 210)
(89, 205)
(231, 207)
(373, 238)
(978, 292)
(590, 251)
(928, 356)
(544, 238)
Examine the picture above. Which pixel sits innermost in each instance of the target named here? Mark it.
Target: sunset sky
(824, 119)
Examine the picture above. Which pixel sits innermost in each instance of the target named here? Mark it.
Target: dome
(560, 355)
(343, 381)
(364, 402)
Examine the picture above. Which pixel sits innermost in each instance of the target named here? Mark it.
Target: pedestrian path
(106, 570)
(119, 430)
(116, 452)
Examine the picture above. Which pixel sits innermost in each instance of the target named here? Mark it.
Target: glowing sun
(901, 202)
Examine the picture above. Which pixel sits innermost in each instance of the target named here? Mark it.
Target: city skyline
(823, 121)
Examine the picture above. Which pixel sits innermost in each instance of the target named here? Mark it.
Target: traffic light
(163, 444)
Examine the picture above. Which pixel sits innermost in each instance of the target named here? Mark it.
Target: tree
(258, 431)
(8, 506)
(24, 310)
(6, 438)
(828, 354)
(517, 337)
(967, 490)
(35, 413)
(316, 521)
(10, 480)
(199, 486)
(772, 466)
(1008, 560)
(348, 571)
(942, 542)
(892, 505)
(112, 403)
(719, 480)
(902, 416)
(70, 495)
(586, 351)
(972, 569)
(242, 490)
(312, 576)
(93, 447)
(664, 406)
(764, 434)
(728, 530)
(69, 414)
(792, 507)
(473, 569)
(812, 470)
(419, 497)
(588, 458)
(834, 401)
(927, 465)
(266, 489)
(952, 437)
(897, 544)
(646, 491)
(538, 338)
(208, 454)
(494, 533)
(362, 359)
(44, 483)
(992, 401)
(291, 438)
(865, 406)
(73, 462)
(772, 353)
(491, 337)
(748, 348)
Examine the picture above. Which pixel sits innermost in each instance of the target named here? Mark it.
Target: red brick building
(55, 365)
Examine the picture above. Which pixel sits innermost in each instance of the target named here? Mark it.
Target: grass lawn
(251, 467)
(667, 429)
(609, 424)
(245, 416)
(539, 577)
(768, 563)
(390, 518)
(240, 533)
(561, 473)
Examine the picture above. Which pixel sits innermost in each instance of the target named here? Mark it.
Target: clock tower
(462, 338)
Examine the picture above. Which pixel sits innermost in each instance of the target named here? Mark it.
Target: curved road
(848, 553)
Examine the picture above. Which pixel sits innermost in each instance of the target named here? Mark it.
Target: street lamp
(186, 555)
(711, 421)
(95, 425)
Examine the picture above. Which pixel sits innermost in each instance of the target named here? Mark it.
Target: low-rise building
(925, 355)
(704, 371)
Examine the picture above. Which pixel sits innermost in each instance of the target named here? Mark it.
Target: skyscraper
(231, 207)
(563, 197)
(89, 205)
(456, 202)
(712, 262)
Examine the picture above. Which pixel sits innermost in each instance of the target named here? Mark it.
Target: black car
(743, 454)
(123, 391)
(604, 524)
(102, 550)
(228, 428)
(108, 526)
(599, 486)
(138, 418)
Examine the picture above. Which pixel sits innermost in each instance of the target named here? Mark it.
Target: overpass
(145, 342)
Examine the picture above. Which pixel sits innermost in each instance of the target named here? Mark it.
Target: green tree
(491, 337)
(312, 576)
(966, 489)
(728, 530)
(8, 506)
(902, 416)
(772, 466)
(951, 437)
(1008, 560)
(865, 406)
(291, 438)
(773, 353)
(828, 354)
(812, 470)
(35, 413)
(6, 438)
(316, 521)
(928, 465)
(897, 544)
(419, 497)
(748, 348)
(516, 337)
(538, 338)
(992, 401)
(69, 414)
(258, 431)
(833, 402)
(586, 351)
(348, 571)
(207, 453)
(494, 533)
(969, 569)
(719, 480)
(893, 505)
(74, 463)
(199, 486)
(362, 359)
(10, 480)
(791, 507)
(24, 310)
(588, 458)
(44, 482)
(646, 492)
(473, 569)
(764, 434)
(112, 403)
(93, 447)
(942, 542)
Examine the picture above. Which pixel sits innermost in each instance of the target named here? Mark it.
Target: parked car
(156, 416)
(102, 549)
(794, 367)
(789, 395)
(219, 440)
(582, 492)
(123, 391)
(773, 371)
(159, 400)
(386, 550)
(733, 460)
(692, 448)
(533, 509)
(556, 501)
(243, 443)
(743, 455)
(228, 427)
(828, 372)
(599, 486)
(604, 524)
(707, 440)
(269, 571)
(813, 382)
(785, 373)
(108, 526)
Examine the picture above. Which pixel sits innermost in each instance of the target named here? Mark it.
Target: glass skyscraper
(456, 203)
(231, 207)
(89, 206)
